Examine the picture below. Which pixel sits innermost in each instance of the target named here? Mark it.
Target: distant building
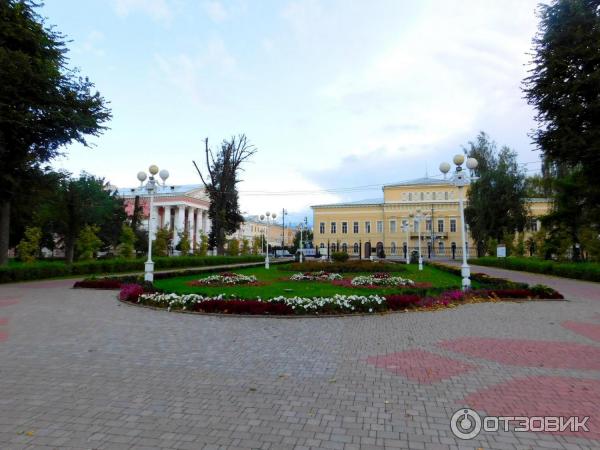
(254, 227)
(375, 226)
(181, 209)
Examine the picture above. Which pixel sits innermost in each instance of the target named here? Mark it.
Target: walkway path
(79, 370)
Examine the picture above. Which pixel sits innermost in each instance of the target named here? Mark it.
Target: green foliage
(352, 266)
(492, 246)
(245, 247)
(184, 245)
(256, 245)
(88, 242)
(590, 240)
(307, 237)
(520, 247)
(221, 187)
(202, 248)
(340, 256)
(160, 245)
(127, 246)
(29, 246)
(497, 200)
(44, 105)
(584, 271)
(233, 247)
(563, 87)
(51, 269)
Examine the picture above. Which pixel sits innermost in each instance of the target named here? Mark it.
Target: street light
(151, 188)
(406, 228)
(267, 217)
(461, 179)
(419, 218)
(301, 226)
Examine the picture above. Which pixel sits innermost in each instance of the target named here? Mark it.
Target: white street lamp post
(151, 188)
(460, 179)
(419, 218)
(268, 217)
(407, 229)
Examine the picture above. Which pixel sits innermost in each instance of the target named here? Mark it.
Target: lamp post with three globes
(267, 217)
(151, 189)
(461, 179)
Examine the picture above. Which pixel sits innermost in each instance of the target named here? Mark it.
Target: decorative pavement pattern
(79, 370)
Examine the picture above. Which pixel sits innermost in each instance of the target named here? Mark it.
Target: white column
(190, 226)
(179, 223)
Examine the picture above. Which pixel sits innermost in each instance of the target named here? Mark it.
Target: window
(333, 228)
(322, 228)
(355, 247)
(433, 195)
(415, 225)
(322, 245)
(410, 196)
(422, 196)
(344, 227)
(380, 226)
(441, 247)
(453, 225)
(393, 248)
(428, 224)
(441, 225)
(355, 227)
(534, 225)
(367, 227)
(392, 226)
(345, 247)
(446, 195)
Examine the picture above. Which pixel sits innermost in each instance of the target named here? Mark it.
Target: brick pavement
(79, 370)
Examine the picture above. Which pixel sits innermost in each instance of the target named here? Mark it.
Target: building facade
(180, 209)
(388, 226)
(253, 227)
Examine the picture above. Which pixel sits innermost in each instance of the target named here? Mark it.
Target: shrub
(161, 242)
(401, 301)
(99, 284)
(29, 246)
(243, 307)
(233, 247)
(202, 247)
(184, 243)
(126, 247)
(88, 242)
(340, 256)
(581, 270)
(130, 292)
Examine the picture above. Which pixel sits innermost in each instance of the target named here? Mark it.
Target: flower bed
(316, 276)
(224, 279)
(380, 279)
(344, 267)
(98, 284)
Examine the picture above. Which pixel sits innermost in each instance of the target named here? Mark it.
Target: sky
(333, 94)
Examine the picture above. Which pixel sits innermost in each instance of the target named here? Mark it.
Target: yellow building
(389, 226)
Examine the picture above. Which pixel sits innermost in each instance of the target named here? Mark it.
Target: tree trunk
(69, 249)
(4, 231)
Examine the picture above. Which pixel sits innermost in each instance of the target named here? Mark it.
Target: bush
(29, 246)
(51, 269)
(344, 267)
(126, 248)
(401, 301)
(88, 242)
(582, 270)
(130, 292)
(340, 256)
(161, 243)
(252, 307)
(102, 283)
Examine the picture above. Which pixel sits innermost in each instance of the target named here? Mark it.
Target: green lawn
(276, 282)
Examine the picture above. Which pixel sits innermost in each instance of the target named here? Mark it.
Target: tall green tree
(78, 202)
(44, 105)
(221, 186)
(564, 87)
(496, 201)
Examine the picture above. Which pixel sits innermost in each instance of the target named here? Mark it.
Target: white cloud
(160, 10)
(190, 73)
(216, 11)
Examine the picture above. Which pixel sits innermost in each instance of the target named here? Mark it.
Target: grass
(276, 283)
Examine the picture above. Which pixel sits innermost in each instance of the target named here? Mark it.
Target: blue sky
(333, 94)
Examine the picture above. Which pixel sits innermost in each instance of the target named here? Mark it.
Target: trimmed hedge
(52, 269)
(482, 278)
(581, 271)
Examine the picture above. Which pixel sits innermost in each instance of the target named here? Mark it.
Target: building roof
(419, 182)
(367, 202)
(161, 190)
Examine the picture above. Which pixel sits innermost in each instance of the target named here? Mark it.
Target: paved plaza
(80, 370)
